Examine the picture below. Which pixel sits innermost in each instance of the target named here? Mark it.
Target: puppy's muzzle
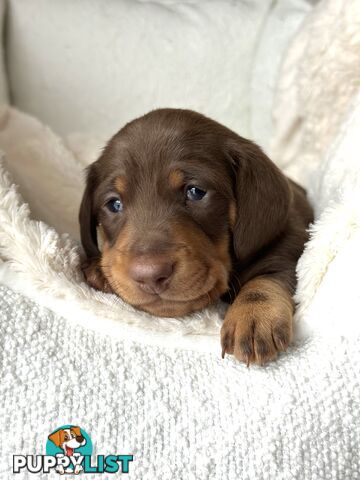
(151, 273)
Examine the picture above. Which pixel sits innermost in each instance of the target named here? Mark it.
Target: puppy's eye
(114, 205)
(195, 193)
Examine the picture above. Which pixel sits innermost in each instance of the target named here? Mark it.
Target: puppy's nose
(151, 273)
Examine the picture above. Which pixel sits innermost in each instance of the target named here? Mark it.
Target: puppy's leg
(94, 275)
(258, 324)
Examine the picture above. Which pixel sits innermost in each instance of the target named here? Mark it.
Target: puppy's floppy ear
(263, 198)
(57, 437)
(76, 430)
(87, 218)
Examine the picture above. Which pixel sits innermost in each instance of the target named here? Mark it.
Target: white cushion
(90, 66)
(282, 22)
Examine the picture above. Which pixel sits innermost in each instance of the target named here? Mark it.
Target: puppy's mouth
(69, 451)
(176, 300)
(162, 297)
(172, 307)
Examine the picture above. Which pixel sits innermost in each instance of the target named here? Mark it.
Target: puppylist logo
(68, 451)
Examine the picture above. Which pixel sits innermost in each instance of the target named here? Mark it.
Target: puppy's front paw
(257, 326)
(60, 469)
(78, 469)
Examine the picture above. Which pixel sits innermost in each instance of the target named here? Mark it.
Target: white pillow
(282, 23)
(92, 65)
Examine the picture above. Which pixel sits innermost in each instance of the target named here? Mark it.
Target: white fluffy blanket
(183, 412)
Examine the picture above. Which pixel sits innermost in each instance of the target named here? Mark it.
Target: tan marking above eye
(120, 184)
(232, 214)
(176, 179)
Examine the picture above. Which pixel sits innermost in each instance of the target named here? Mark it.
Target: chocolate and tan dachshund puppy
(189, 212)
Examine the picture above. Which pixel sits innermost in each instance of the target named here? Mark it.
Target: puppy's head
(177, 196)
(68, 439)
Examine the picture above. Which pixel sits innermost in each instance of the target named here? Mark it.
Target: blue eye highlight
(114, 205)
(195, 193)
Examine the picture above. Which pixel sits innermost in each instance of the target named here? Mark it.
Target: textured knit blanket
(157, 388)
(182, 414)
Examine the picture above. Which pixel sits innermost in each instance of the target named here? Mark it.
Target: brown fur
(241, 241)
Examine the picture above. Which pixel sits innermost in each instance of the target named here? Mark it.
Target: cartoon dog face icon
(68, 439)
